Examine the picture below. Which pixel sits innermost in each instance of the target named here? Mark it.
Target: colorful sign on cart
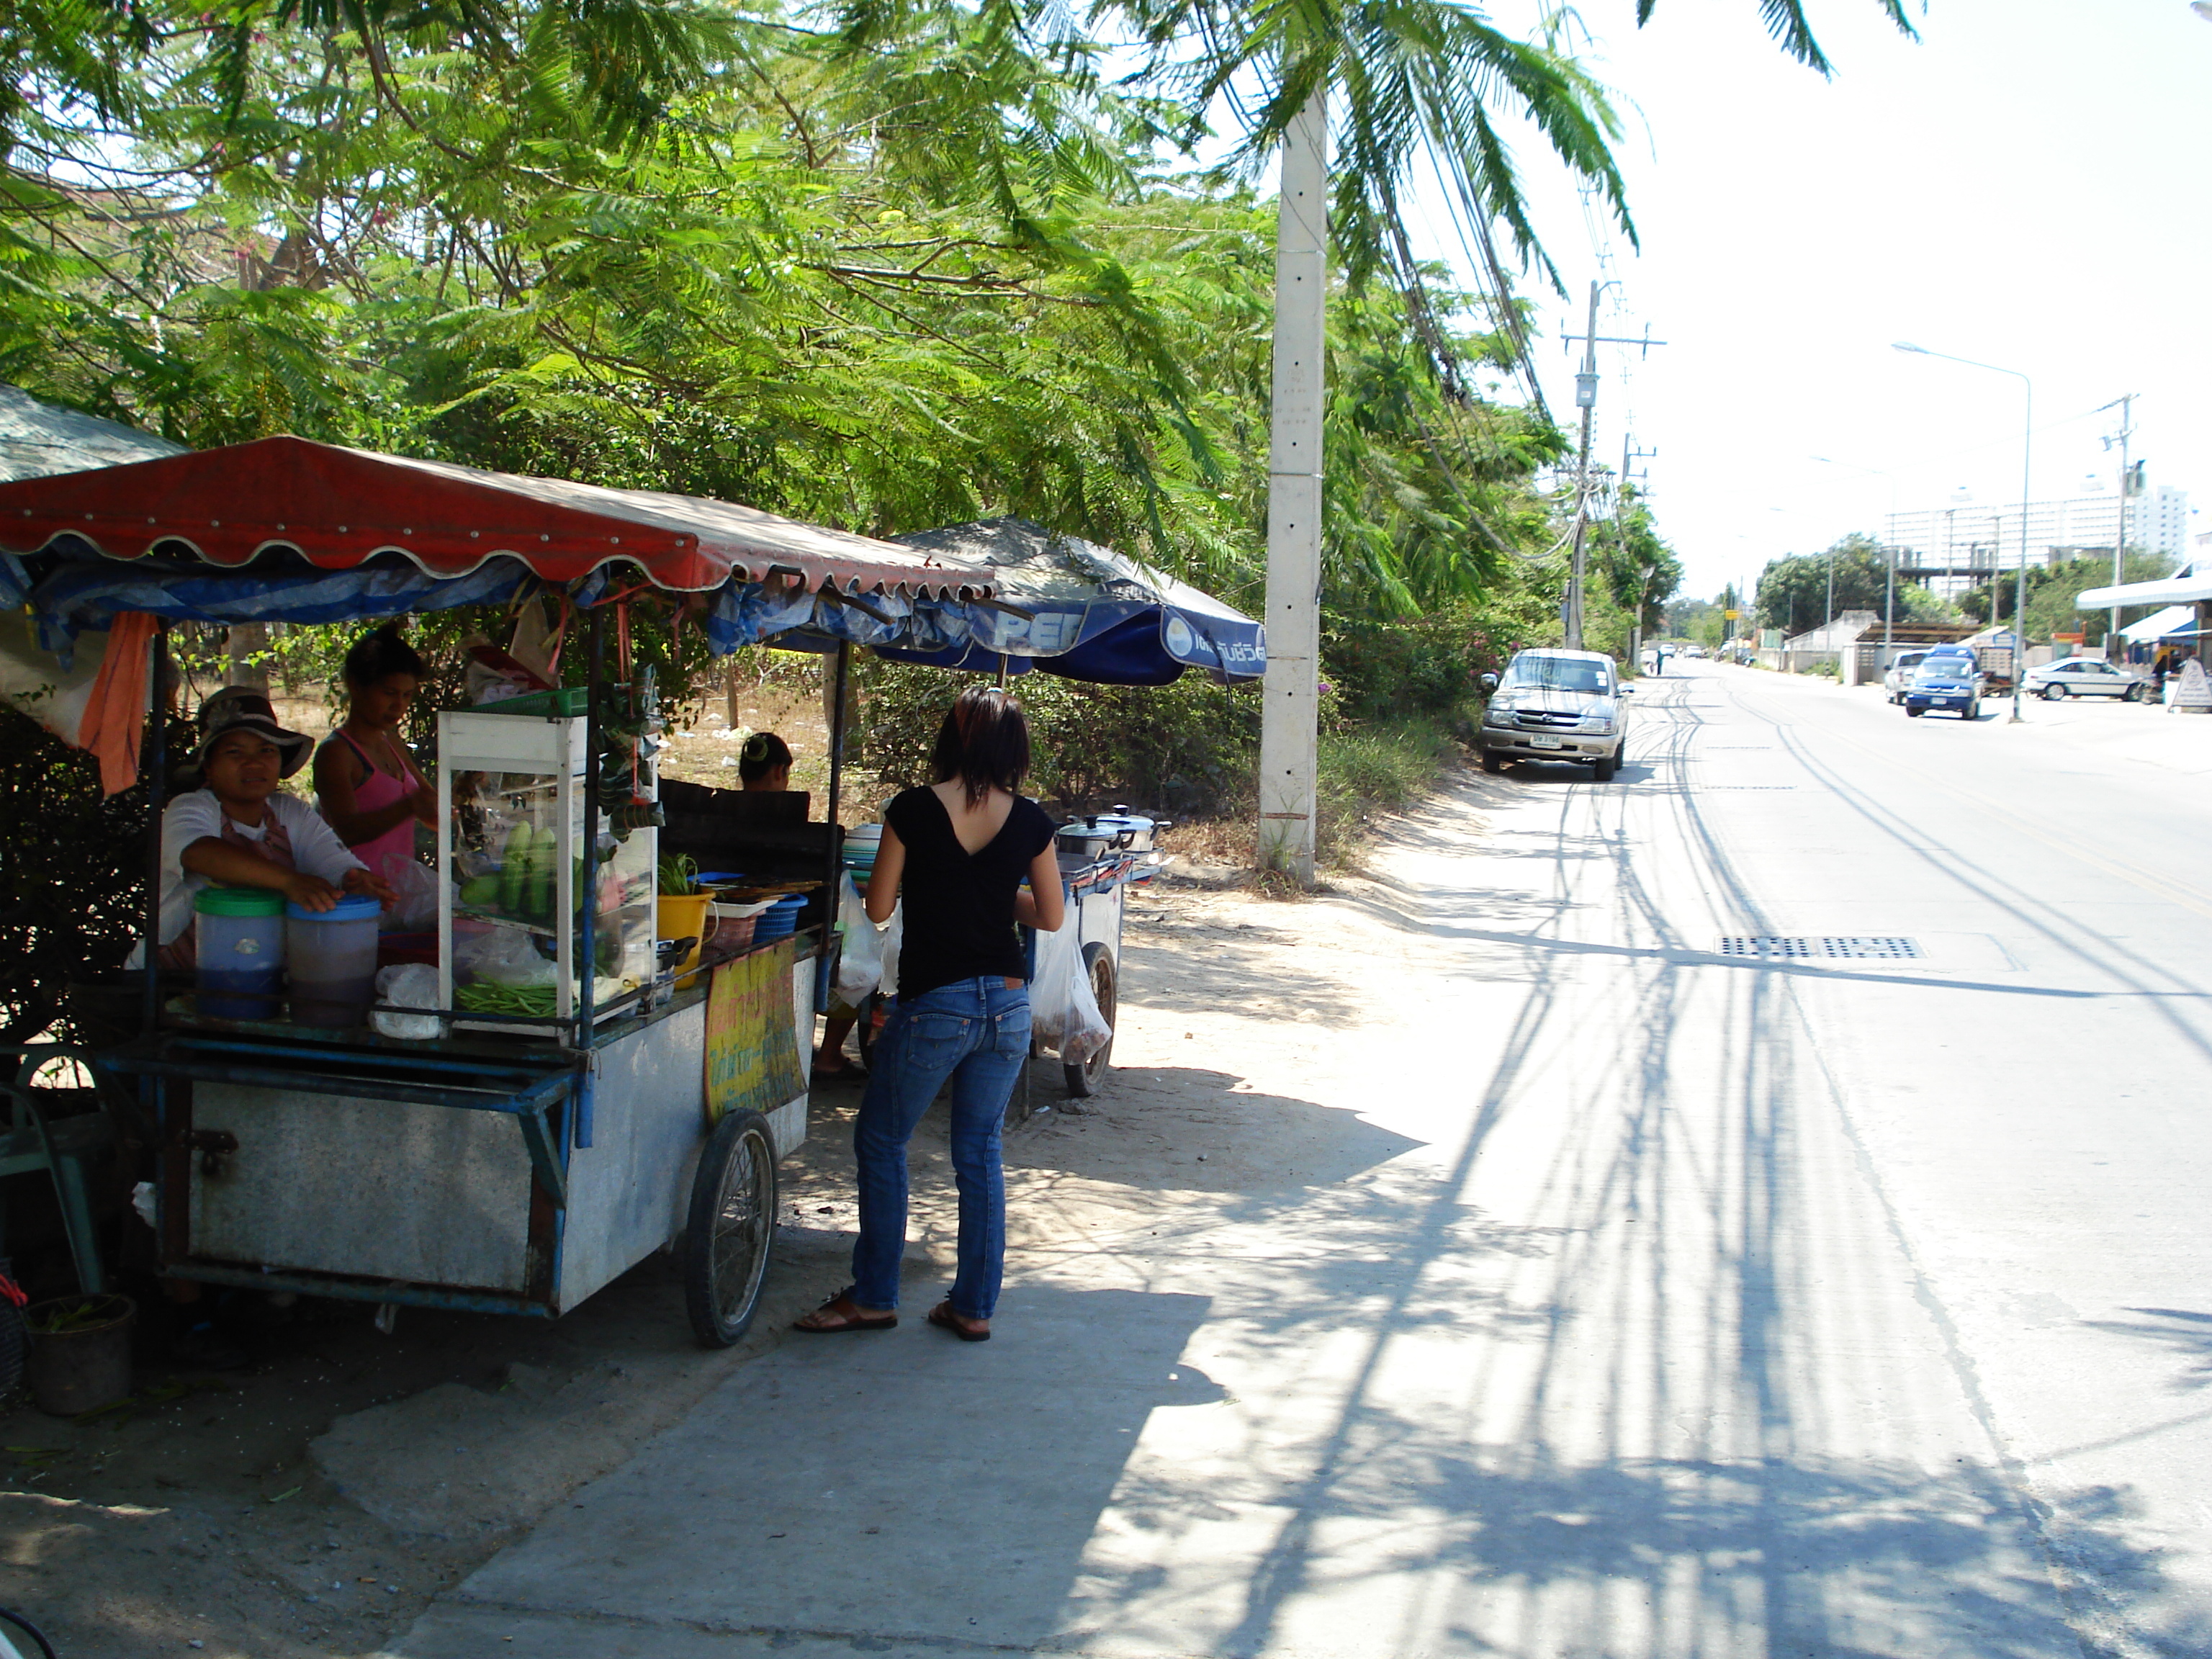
(752, 1038)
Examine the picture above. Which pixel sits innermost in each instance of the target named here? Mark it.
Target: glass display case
(516, 869)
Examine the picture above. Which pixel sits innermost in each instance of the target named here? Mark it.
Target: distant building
(1957, 546)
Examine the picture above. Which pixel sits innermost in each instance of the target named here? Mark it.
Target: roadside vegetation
(883, 267)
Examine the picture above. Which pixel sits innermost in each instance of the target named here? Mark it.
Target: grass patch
(1366, 773)
(1371, 771)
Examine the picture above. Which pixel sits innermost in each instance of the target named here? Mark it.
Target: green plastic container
(239, 951)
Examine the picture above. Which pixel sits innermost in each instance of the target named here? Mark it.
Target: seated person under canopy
(239, 830)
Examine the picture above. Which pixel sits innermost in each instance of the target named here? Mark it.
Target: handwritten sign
(752, 1040)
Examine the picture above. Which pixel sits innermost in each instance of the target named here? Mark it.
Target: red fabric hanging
(115, 714)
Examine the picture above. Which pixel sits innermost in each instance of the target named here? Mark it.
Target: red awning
(338, 507)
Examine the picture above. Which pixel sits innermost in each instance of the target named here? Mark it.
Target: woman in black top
(962, 848)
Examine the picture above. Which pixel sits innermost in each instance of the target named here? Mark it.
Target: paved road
(1678, 1302)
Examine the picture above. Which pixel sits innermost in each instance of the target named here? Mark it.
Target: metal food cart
(518, 1161)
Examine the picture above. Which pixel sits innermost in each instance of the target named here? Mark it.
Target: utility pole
(2126, 406)
(1586, 400)
(1290, 696)
(1629, 455)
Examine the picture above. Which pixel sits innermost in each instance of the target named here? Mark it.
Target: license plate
(1546, 742)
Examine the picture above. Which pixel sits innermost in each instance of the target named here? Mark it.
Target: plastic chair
(64, 1148)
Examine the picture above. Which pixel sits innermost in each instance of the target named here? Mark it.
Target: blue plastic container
(333, 955)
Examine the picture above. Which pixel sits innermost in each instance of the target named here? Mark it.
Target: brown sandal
(848, 1317)
(944, 1319)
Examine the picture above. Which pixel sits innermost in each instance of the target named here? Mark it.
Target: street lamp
(1889, 569)
(2026, 459)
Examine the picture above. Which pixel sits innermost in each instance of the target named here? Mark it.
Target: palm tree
(1422, 79)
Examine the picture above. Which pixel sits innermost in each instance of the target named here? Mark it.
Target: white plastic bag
(1084, 1030)
(416, 910)
(1056, 954)
(893, 936)
(501, 956)
(861, 957)
(410, 985)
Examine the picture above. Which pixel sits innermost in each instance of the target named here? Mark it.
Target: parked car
(1949, 680)
(1555, 706)
(2087, 677)
(1898, 674)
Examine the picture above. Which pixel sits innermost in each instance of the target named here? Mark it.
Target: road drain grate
(1884, 947)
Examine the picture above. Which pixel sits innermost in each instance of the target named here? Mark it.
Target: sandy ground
(314, 1502)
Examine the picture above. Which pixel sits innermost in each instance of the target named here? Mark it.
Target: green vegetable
(679, 876)
(487, 999)
(537, 898)
(514, 864)
(481, 892)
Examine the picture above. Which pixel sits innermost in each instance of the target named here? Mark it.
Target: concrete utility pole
(1586, 400)
(2126, 406)
(1290, 696)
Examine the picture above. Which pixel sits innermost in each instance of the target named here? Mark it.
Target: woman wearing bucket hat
(239, 830)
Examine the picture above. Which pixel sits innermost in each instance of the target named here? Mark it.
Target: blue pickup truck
(1950, 680)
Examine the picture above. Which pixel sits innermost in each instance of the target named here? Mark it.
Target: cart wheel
(13, 1625)
(1083, 1080)
(730, 1229)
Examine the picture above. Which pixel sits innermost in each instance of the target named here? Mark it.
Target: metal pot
(1132, 832)
(1082, 840)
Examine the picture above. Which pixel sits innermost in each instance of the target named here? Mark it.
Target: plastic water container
(240, 952)
(333, 957)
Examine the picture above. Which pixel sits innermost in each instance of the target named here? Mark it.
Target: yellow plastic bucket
(686, 918)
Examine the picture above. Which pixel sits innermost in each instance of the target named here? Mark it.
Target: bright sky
(2021, 186)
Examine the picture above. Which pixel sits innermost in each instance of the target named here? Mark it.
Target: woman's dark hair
(984, 743)
(382, 652)
(761, 754)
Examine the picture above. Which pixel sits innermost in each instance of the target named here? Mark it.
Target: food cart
(530, 1151)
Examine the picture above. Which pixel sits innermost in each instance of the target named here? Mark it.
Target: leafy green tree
(1793, 593)
(2054, 589)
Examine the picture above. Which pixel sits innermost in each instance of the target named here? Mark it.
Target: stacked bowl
(780, 919)
(861, 845)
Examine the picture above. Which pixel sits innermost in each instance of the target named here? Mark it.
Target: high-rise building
(1960, 544)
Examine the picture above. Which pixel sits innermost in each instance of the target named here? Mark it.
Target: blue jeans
(975, 1031)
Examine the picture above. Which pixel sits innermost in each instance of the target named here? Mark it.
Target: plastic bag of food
(1049, 992)
(860, 954)
(412, 985)
(1083, 1030)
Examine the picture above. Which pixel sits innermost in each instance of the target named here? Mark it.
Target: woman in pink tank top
(367, 784)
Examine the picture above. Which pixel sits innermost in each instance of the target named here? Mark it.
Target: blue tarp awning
(1074, 608)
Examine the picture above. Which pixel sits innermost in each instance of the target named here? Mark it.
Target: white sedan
(2085, 677)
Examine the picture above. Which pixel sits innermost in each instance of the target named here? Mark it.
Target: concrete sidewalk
(1533, 1298)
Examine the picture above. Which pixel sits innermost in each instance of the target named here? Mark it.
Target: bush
(1186, 748)
(72, 871)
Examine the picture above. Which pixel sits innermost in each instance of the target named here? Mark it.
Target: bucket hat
(241, 709)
